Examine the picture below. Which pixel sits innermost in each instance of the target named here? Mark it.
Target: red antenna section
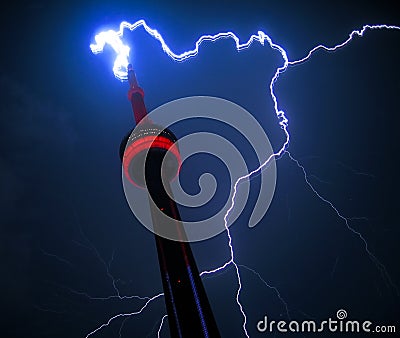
(136, 96)
(147, 139)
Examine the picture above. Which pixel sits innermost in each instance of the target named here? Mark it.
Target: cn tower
(143, 153)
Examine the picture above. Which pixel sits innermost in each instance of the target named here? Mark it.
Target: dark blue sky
(63, 211)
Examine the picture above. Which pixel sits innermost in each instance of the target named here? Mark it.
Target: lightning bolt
(125, 315)
(113, 38)
(161, 324)
(120, 68)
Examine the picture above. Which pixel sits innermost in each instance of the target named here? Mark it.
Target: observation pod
(146, 145)
(150, 157)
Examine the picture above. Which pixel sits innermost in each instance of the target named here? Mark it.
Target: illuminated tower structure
(142, 153)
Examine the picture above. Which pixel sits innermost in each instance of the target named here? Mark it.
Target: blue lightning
(161, 325)
(113, 38)
(125, 315)
(120, 68)
(355, 32)
(346, 220)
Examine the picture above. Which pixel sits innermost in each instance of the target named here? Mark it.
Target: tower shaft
(189, 311)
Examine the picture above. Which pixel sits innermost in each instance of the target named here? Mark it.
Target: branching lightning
(113, 38)
(355, 32)
(124, 315)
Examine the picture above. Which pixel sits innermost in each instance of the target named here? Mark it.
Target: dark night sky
(63, 211)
